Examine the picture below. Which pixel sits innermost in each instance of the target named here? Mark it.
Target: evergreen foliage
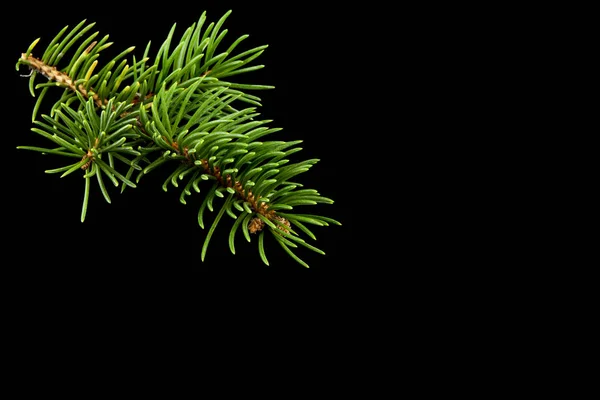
(179, 109)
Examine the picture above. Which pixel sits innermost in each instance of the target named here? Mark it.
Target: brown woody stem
(255, 225)
(55, 75)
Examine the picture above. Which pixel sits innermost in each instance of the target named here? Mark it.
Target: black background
(308, 63)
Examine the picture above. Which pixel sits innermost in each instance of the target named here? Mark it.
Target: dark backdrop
(148, 228)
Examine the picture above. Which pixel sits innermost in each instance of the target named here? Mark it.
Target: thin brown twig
(255, 225)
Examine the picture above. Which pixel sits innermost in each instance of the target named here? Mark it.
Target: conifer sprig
(119, 122)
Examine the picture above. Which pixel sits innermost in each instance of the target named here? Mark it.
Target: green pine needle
(86, 196)
(261, 248)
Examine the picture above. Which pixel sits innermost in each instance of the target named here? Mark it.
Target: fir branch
(129, 116)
